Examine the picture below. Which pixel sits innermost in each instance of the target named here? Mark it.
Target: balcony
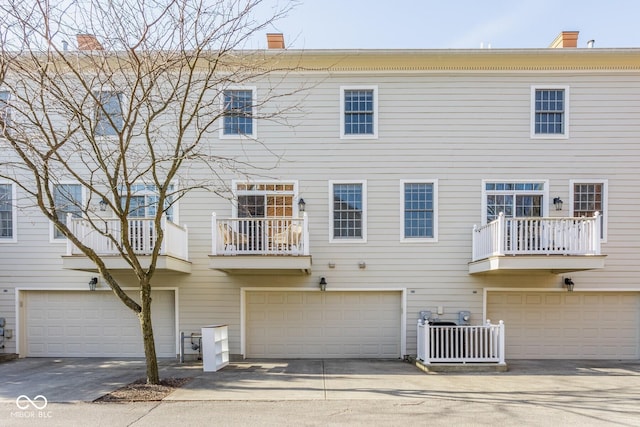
(260, 245)
(558, 245)
(173, 256)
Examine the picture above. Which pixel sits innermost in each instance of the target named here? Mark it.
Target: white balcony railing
(537, 236)
(141, 233)
(461, 344)
(260, 236)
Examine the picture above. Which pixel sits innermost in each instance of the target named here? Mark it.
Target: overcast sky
(457, 24)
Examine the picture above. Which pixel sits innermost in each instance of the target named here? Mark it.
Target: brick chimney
(88, 42)
(565, 39)
(275, 41)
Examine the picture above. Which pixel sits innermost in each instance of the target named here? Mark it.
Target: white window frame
(605, 201)
(175, 206)
(123, 108)
(373, 135)
(565, 134)
(236, 192)
(14, 213)
(52, 227)
(403, 238)
(254, 110)
(7, 111)
(545, 193)
(363, 238)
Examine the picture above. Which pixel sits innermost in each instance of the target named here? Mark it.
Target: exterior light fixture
(302, 205)
(569, 284)
(103, 204)
(93, 283)
(557, 202)
(323, 284)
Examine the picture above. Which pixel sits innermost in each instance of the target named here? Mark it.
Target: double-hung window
(5, 111)
(359, 112)
(419, 216)
(348, 211)
(549, 112)
(587, 198)
(68, 199)
(238, 113)
(109, 113)
(8, 213)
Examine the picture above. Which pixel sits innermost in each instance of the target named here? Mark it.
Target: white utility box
(215, 347)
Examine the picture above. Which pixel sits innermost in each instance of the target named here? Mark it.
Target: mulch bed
(140, 391)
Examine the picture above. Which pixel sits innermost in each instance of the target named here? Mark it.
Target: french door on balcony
(517, 200)
(268, 208)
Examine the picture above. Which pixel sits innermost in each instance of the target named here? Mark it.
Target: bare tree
(136, 101)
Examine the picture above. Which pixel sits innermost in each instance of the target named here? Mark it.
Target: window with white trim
(68, 199)
(238, 107)
(143, 201)
(587, 198)
(266, 199)
(514, 199)
(359, 112)
(8, 213)
(109, 112)
(5, 111)
(419, 215)
(348, 211)
(549, 111)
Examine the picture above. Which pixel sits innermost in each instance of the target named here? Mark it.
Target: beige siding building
(481, 181)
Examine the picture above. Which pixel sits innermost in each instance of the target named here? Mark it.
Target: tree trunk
(153, 376)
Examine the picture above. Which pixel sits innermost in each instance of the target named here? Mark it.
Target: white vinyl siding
(550, 112)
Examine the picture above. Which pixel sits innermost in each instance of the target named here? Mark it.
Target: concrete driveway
(327, 392)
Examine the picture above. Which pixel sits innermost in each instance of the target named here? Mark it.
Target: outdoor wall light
(323, 284)
(302, 205)
(569, 284)
(557, 202)
(93, 283)
(103, 204)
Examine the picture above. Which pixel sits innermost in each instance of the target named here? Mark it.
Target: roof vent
(565, 39)
(88, 42)
(275, 41)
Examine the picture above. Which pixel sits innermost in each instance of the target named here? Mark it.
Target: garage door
(323, 324)
(94, 324)
(562, 325)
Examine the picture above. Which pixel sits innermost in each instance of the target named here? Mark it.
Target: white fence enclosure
(461, 344)
(537, 236)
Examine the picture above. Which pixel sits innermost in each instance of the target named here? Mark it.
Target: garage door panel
(323, 324)
(568, 325)
(93, 324)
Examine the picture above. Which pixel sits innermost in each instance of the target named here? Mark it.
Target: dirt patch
(140, 391)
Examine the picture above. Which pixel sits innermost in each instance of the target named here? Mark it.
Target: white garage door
(94, 324)
(293, 324)
(564, 325)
